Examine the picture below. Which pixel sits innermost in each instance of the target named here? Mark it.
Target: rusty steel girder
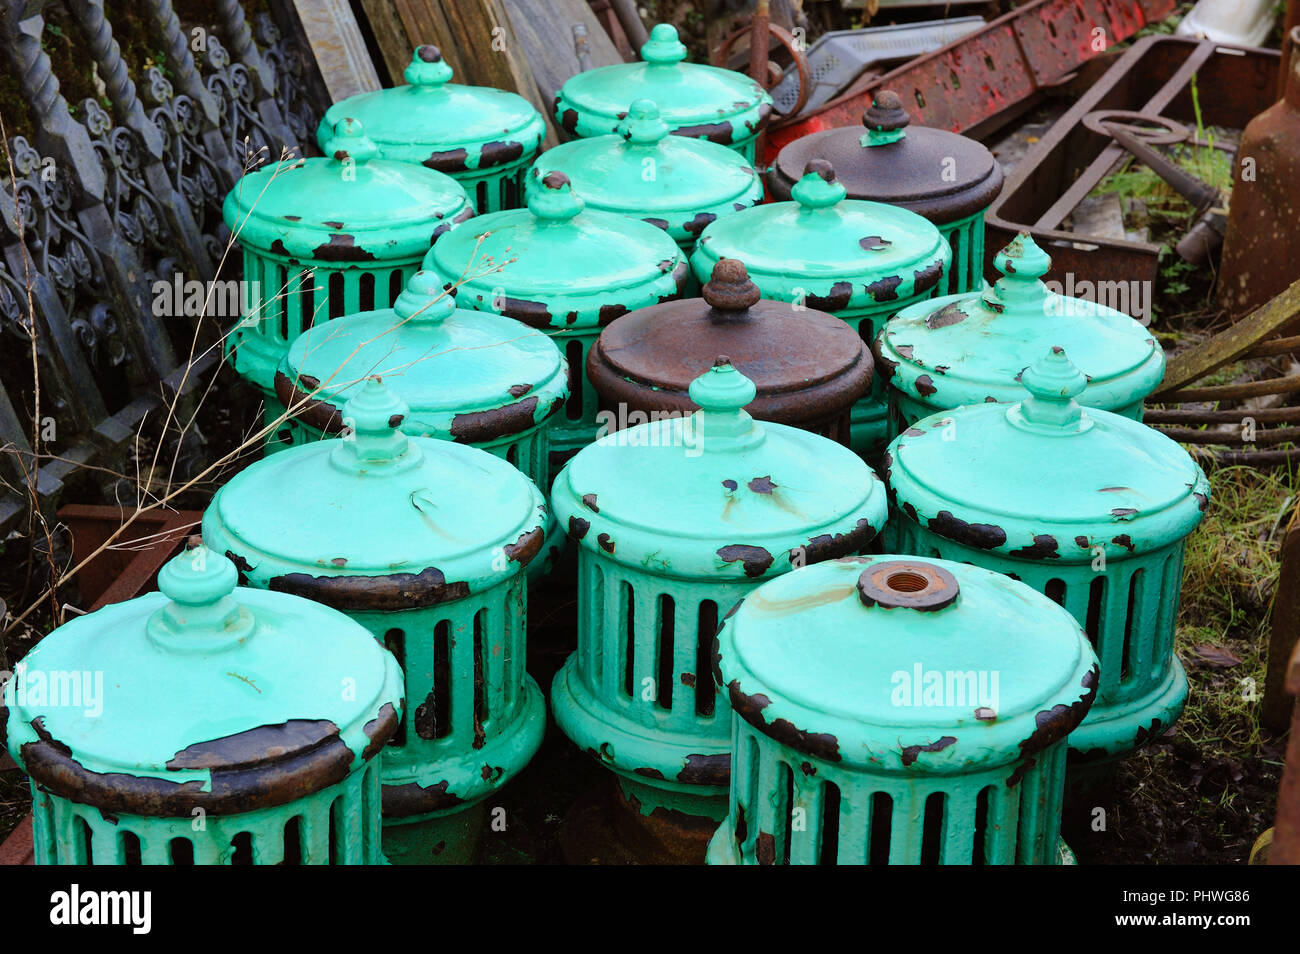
(969, 83)
(1153, 78)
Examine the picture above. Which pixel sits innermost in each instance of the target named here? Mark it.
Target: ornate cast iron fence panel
(110, 195)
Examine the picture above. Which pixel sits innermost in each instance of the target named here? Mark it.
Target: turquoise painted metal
(892, 710)
(567, 271)
(301, 269)
(206, 724)
(860, 261)
(971, 349)
(424, 543)
(1087, 506)
(948, 178)
(678, 184)
(482, 137)
(697, 101)
(476, 379)
(676, 520)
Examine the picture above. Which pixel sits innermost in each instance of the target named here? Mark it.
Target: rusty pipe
(630, 21)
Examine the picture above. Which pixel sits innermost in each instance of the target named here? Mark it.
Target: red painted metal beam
(991, 70)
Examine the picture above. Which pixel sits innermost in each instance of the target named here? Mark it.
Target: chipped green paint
(204, 696)
(730, 502)
(423, 542)
(567, 271)
(891, 688)
(482, 137)
(678, 184)
(860, 261)
(971, 349)
(315, 234)
(1087, 506)
(698, 101)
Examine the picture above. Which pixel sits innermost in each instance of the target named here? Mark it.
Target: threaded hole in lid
(906, 582)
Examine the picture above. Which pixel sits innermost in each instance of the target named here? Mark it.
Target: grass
(1207, 790)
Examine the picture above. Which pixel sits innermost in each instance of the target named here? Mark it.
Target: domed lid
(466, 376)
(378, 209)
(971, 348)
(678, 184)
(936, 173)
(731, 497)
(440, 124)
(1045, 479)
(836, 254)
(202, 696)
(806, 365)
(380, 520)
(907, 666)
(556, 265)
(695, 100)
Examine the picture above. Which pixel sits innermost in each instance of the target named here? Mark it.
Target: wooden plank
(479, 41)
(390, 36)
(546, 32)
(335, 39)
(1229, 344)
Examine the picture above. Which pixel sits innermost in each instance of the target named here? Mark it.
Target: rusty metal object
(1209, 203)
(1285, 849)
(809, 367)
(1242, 339)
(1284, 628)
(974, 84)
(933, 172)
(761, 30)
(1152, 78)
(131, 564)
(1261, 253)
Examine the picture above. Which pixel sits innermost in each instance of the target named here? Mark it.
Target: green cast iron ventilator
(477, 379)
(949, 179)
(678, 184)
(301, 269)
(695, 100)
(732, 502)
(890, 710)
(424, 543)
(1087, 506)
(808, 368)
(971, 349)
(233, 726)
(569, 271)
(482, 137)
(860, 261)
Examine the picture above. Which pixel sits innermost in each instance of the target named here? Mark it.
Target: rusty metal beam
(990, 71)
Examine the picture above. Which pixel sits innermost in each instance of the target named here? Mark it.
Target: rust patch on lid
(1044, 547)
(756, 560)
(450, 160)
(910, 753)
(395, 591)
(477, 427)
(499, 152)
(529, 544)
(982, 536)
(949, 314)
(342, 248)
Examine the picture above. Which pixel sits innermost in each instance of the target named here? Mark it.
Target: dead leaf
(1216, 657)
